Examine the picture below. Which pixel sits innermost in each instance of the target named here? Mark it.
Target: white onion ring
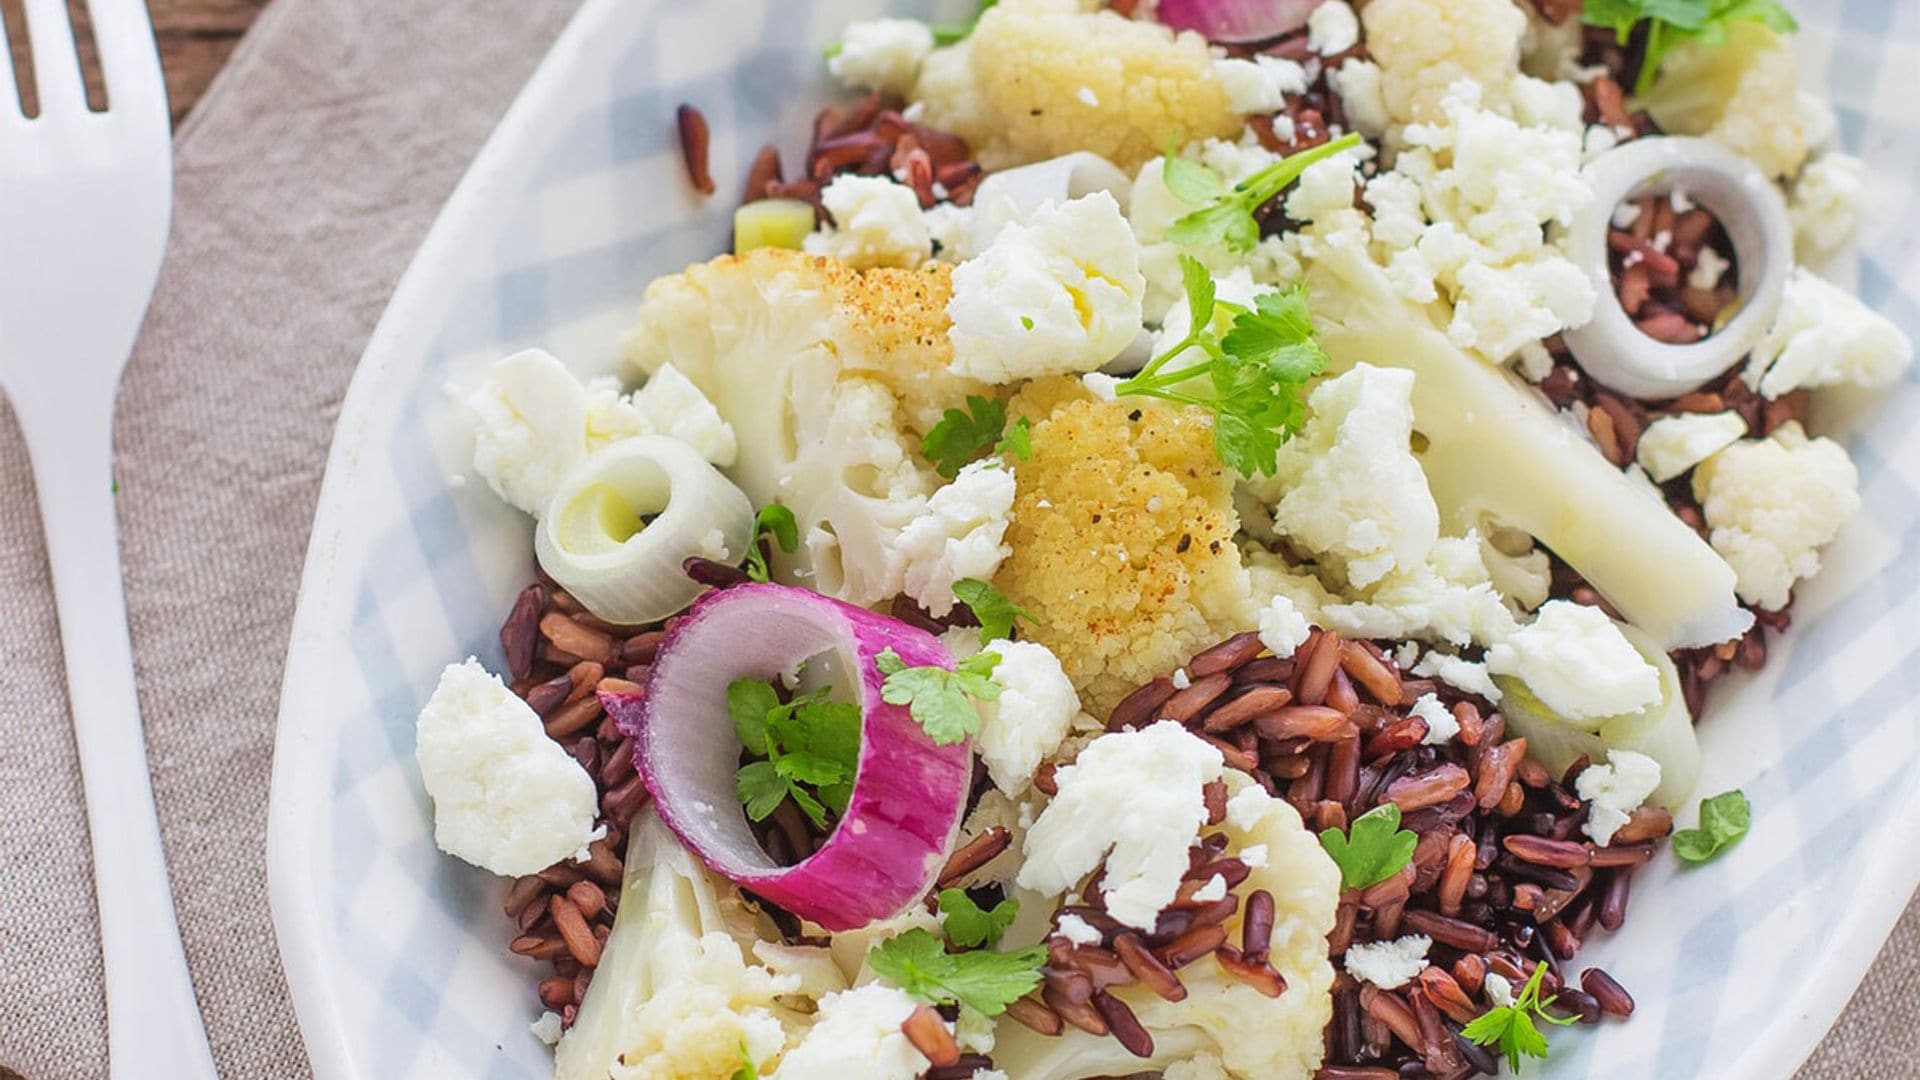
(908, 793)
(1014, 194)
(1610, 348)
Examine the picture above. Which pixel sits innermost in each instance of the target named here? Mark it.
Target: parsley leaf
(969, 925)
(1511, 1027)
(778, 522)
(1017, 442)
(1228, 218)
(1373, 850)
(811, 748)
(962, 437)
(952, 34)
(941, 701)
(1670, 22)
(1724, 819)
(747, 1070)
(986, 982)
(990, 606)
(1255, 372)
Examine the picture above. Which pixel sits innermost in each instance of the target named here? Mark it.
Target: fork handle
(153, 1023)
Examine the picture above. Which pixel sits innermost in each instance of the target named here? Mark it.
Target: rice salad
(1187, 540)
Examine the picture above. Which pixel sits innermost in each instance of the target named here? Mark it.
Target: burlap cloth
(306, 180)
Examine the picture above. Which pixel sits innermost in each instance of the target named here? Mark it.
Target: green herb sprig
(1227, 213)
(969, 925)
(1670, 22)
(982, 980)
(1251, 378)
(991, 608)
(1372, 850)
(1511, 1027)
(778, 522)
(811, 748)
(941, 701)
(963, 436)
(1724, 819)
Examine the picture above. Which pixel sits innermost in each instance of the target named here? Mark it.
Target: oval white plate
(396, 955)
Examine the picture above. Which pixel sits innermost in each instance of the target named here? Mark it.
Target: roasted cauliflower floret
(1772, 504)
(1425, 46)
(1040, 78)
(1122, 541)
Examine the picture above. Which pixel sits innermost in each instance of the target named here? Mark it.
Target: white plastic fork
(85, 201)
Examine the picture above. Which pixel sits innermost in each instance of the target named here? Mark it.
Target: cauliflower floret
(1827, 200)
(882, 54)
(505, 797)
(1224, 1028)
(876, 222)
(1040, 78)
(1348, 488)
(960, 534)
(1025, 724)
(1742, 92)
(857, 1034)
(675, 997)
(1058, 293)
(1578, 663)
(1825, 336)
(1772, 504)
(1122, 541)
(1132, 801)
(1673, 444)
(1423, 47)
(891, 326)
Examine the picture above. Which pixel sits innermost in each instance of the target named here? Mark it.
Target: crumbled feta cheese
(1459, 673)
(1324, 189)
(1388, 964)
(1534, 361)
(1181, 680)
(876, 222)
(951, 229)
(1578, 663)
(1078, 931)
(1825, 336)
(882, 54)
(857, 1034)
(669, 404)
(1134, 799)
(1214, 889)
(1680, 200)
(961, 534)
(1026, 722)
(1441, 726)
(1673, 444)
(1058, 294)
(1332, 28)
(1087, 97)
(1350, 489)
(1498, 990)
(1448, 597)
(1826, 203)
(530, 427)
(1282, 628)
(547, 1029)
(1771, 505)
(1406, 655)
(1709, 270)
(505, 797)
(1615, 790)
(1358, 84)
(1259, 85)
(1254, 855)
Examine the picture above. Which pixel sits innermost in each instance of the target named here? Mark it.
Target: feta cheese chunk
(1826, 203)
(1825, 336)
(959, 535)
(1358, 82)
(882, 54)
(669, 404)
(1025, 724)
(1673, 444)
(1459, 673)
(530, 426)
(547, 1028)
(876, 222)
(1771, 505)
(1214, 889)
(1441, 726)
(505, 797)
(1578, 663)
(1388, 964)
(1333, 28)
(1134, 799)
(857, 1034)
(1078, 931)
(1259, 86)
(1615, 790)
(1058, 294)
(1282, 628)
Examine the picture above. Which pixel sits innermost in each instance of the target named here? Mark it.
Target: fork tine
(56, 61)
(129, 59)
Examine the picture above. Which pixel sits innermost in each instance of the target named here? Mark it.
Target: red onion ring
(1237, 22)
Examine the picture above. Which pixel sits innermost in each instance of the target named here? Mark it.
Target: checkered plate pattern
(396, 954)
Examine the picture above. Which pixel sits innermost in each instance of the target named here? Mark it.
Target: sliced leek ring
(627, 517)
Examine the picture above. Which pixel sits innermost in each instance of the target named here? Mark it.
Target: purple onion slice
(908, 794)
(1237, 22)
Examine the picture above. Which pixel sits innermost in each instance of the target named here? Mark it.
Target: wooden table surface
(195, 36)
